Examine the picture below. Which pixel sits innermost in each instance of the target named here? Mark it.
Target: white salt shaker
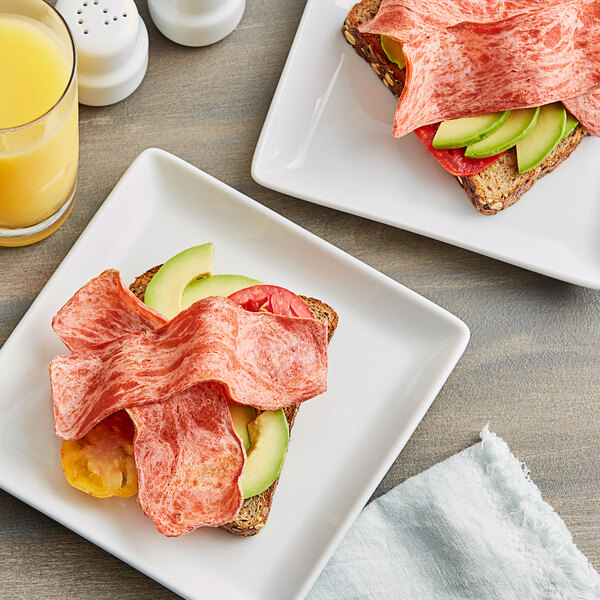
(196, 22)
(111, 41)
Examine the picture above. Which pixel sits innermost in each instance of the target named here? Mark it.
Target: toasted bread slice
(255, 511)
(498, 186)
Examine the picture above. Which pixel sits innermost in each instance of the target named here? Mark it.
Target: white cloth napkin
(472, 527)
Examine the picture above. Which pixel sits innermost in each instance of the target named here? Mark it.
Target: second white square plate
(328, 139)
(390, 355)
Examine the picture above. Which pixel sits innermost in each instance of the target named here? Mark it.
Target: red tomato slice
(276, 300)
(454, 160)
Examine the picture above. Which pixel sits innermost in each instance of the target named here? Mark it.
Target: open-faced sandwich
(183, 389)
(500, 93)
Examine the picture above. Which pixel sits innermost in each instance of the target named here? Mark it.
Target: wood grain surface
(531, 369)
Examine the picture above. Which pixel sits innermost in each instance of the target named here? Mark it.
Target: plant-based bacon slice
(102, 310)
(190, 460)
(266, 361)
(586, 109)
(406, 19)
(546, 53)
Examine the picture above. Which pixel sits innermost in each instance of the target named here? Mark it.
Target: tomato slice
(273, 299)
(101, 463)
(453, 160)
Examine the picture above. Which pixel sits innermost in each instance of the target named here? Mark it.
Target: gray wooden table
(531, 369)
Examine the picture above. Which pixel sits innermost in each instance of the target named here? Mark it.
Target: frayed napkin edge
(536, 514)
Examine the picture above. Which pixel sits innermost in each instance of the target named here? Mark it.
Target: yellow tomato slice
(101, 463)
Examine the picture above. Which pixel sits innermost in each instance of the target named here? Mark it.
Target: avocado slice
(548, 131)
(571, 123)
(241, 416)
(393, 50)
(269, 435)
(165, 289)
(516, 127)
(457, 133)
(214, 285)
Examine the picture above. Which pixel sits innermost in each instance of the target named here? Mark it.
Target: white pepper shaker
(196, 22)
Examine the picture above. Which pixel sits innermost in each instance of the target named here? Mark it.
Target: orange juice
(38, 124)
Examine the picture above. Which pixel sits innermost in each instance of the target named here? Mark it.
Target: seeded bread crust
(498, 186)
(255, 511)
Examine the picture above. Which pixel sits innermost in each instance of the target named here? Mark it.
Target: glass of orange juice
(39, 138)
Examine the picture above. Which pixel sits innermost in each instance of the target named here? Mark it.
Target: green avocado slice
(543, 138)
(571, 123)
(165, 289)
(515, 128)
(393, 50)
(269, 435)
(457, 133)
(241, 416)
(214, 285)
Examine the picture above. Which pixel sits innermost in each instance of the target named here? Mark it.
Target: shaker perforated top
(111, 41)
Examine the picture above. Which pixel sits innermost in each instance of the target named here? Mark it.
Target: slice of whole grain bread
(255, 511)
(498, 186)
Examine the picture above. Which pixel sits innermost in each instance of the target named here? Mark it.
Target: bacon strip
(521, 59)
(586, 109)
(189, 460)
(405, 19)
(267, 361)
(102, 310)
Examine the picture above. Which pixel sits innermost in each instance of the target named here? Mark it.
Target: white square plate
(328, 139)
(390, 356)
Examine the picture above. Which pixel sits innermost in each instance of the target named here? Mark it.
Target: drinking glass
(39, 137)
